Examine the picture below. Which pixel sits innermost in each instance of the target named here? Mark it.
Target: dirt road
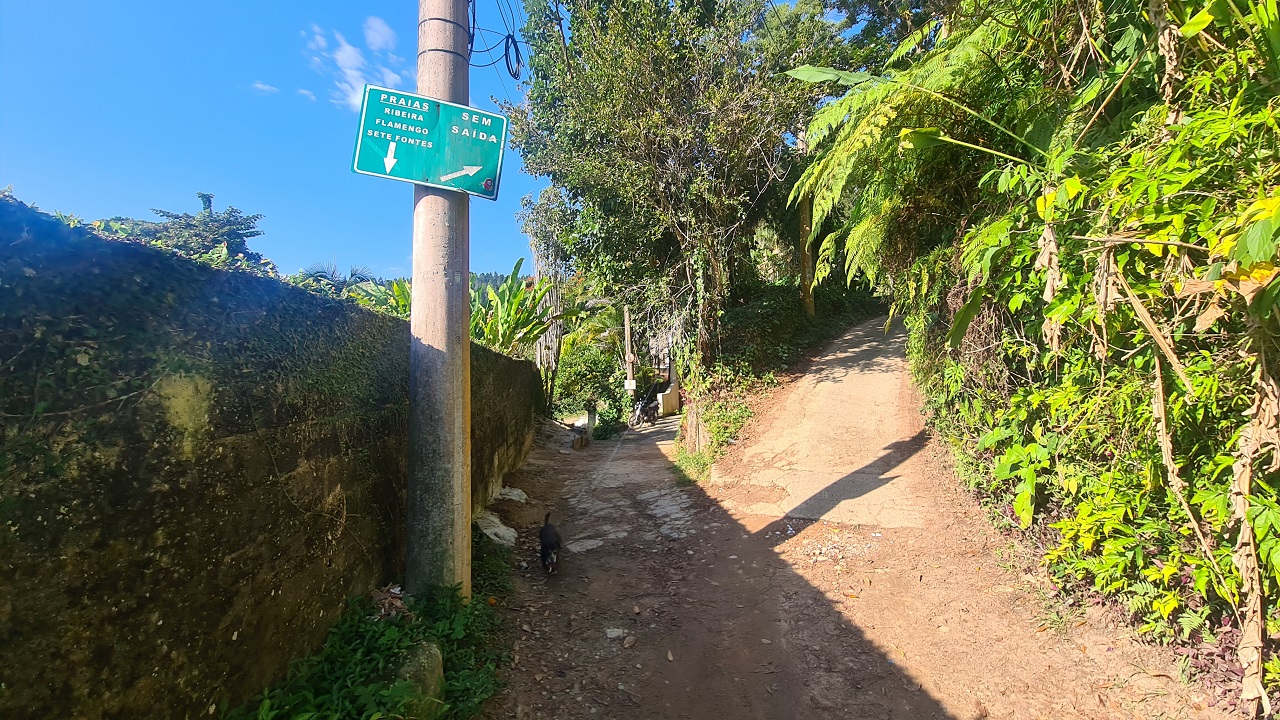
(832, 568)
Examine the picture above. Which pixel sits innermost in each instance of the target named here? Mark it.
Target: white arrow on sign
(466, 170)
(390, 159)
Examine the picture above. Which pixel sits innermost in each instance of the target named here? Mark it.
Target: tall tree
(668, 125)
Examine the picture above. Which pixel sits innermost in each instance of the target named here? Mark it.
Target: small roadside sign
(422, 140)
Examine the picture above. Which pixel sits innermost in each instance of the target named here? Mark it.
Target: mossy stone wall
(197, 467)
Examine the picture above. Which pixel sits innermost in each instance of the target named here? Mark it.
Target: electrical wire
(471, 36)
(512, 55)
(510, 43)
(511, 52)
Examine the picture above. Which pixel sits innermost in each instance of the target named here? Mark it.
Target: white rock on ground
(516, 494)
(490, 525)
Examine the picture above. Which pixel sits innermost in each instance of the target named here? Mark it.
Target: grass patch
(692, 468)
(355, 674)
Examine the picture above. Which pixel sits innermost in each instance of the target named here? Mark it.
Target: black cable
(511, 52)
(501, 35)
(491, 48)
(471, 33)
(488, 64)
(508, 24)
(471, 37)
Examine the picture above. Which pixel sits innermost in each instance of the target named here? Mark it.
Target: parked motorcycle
(645, 410)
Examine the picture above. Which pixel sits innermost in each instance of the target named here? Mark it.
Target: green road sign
(426, 141)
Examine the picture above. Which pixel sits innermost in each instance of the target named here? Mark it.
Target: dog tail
(546, 519)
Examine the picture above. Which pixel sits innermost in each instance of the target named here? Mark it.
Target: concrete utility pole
(631, 358)
(439, 493)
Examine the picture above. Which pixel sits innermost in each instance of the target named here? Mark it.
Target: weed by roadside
(691, 468)
(356, 673)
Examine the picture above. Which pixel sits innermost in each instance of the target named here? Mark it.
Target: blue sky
(116, 108)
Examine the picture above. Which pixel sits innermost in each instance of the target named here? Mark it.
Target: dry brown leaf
(1210, 316)
(1105, 290)
(1196, 287)
(1169, 43)
(1052, 331)
(1249, 286)
(1048, 261)
(1261, 435)
(629, 641)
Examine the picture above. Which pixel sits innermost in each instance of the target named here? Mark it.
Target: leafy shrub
(589, 374)
(511, 317)
(220, 239)
(771, 330)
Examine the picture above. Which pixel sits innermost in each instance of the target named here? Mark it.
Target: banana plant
(511, 317)
(391, 298)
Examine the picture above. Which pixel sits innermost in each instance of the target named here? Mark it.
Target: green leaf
(920, 138)
(964, 316)
(1258, 243)
(814, 74)
(1197, 23)
(991, 438)
(1024, 506)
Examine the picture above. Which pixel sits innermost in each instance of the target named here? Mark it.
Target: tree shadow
(867, 348)
(865, 479)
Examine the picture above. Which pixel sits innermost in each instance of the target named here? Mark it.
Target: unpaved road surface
(832, 568)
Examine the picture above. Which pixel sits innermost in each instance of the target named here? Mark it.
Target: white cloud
(307, 94)
(351, 80)
(378, 35)
(348, 66)
(318, 42)
(263, 87)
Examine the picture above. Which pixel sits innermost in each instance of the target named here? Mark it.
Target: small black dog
(550, 538)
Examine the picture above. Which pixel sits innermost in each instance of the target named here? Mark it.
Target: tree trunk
(806, 247)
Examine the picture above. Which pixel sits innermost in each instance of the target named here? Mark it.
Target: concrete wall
(196, 469)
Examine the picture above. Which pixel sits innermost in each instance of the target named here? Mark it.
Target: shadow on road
(863, 480)
(866, 349)
(722, 625)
